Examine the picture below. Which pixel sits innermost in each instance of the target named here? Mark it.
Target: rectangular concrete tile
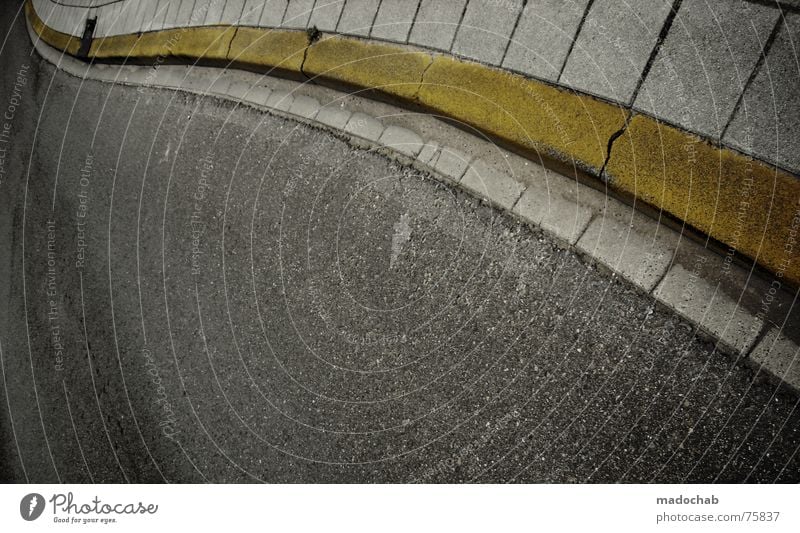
(560, 207)
(767, 123)
(613, 47)
(251, 14)
(304, 106)
(298, 12)
(402, 140)
(151, 13)
(132, 22)
(326, 14)
(427, 155)
(491, 184)
(219, 85)
(704, 304)
(357, 17)
(272, 15)
(159, 16)
(280, 100)
(543, 37)
(630, 244)
(394, 20)
(259, 95)
(232, 13)
(704, 63)
(171, 16)
(240, 90)
(436, 23)
(486, 29)
(451, 163)
(107, 21)
(335, 117)
(780, 356)
(188, 15)
(214, 10)
(364, 126)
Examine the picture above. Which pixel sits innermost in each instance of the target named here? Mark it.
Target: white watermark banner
(400, 508)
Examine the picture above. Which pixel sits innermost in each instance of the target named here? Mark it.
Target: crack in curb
(611, 140)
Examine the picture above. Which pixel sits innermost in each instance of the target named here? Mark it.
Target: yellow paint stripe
(60, 41)
(747, 204)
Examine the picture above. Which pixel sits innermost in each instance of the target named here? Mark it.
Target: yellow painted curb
(276, 49)
(750, 206)
(60, 41)
(528, 114)
(360, 64)
(747, 204)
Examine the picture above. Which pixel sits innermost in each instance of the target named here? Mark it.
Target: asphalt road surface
(200, 292)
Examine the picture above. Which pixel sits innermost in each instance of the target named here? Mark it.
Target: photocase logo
(31, 506)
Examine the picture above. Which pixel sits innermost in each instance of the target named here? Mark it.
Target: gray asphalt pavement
(202, 292)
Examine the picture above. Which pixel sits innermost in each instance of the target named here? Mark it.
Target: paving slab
(280, 100)
(543, 37)
(492, 184)
(451, 163)
(364, 126)
(486, 29)
(326, 14)
(251, 13)
(401, 139)
(780, 356)
(335, 117)
(630, 244)
(232, 13)
(436, 23)
(214, 12)
(298, 13)
(613, 47)
(272, 15)
(767, 123)
(704, 63)
(427, 155)
(560, 207)
(742, 300)
(357, 17)
(304, 106)
(394, 19)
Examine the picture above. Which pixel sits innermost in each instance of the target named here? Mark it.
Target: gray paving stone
(767, 123)
(272, 15)
(326, 14)
(780, 356)
(492, 184)
(304, 106)
(702, 303)
(486, 29)
(280, 100)
(704, 63)
(259, 95)
(436, 23)
(298, 12)
(152, 12)
(171, 16)
(232, 13)
(451, 163)
(427, 156)
(187, 14)
(239, 90)
(543, 37)
(630, 244)
(251, 14)
(214, 12)
(613, 47)
(560, 207)
(219, 85)
(394, 19)
(357, 17)
(335, 117)
(401, 139)
(741, 300)
(364, 126)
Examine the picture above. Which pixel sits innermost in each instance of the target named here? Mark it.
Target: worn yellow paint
(269, 49)
(56, 39)
(749, 205)
(392, 70)
(205, 43)
(526, 113)
(746, 204)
